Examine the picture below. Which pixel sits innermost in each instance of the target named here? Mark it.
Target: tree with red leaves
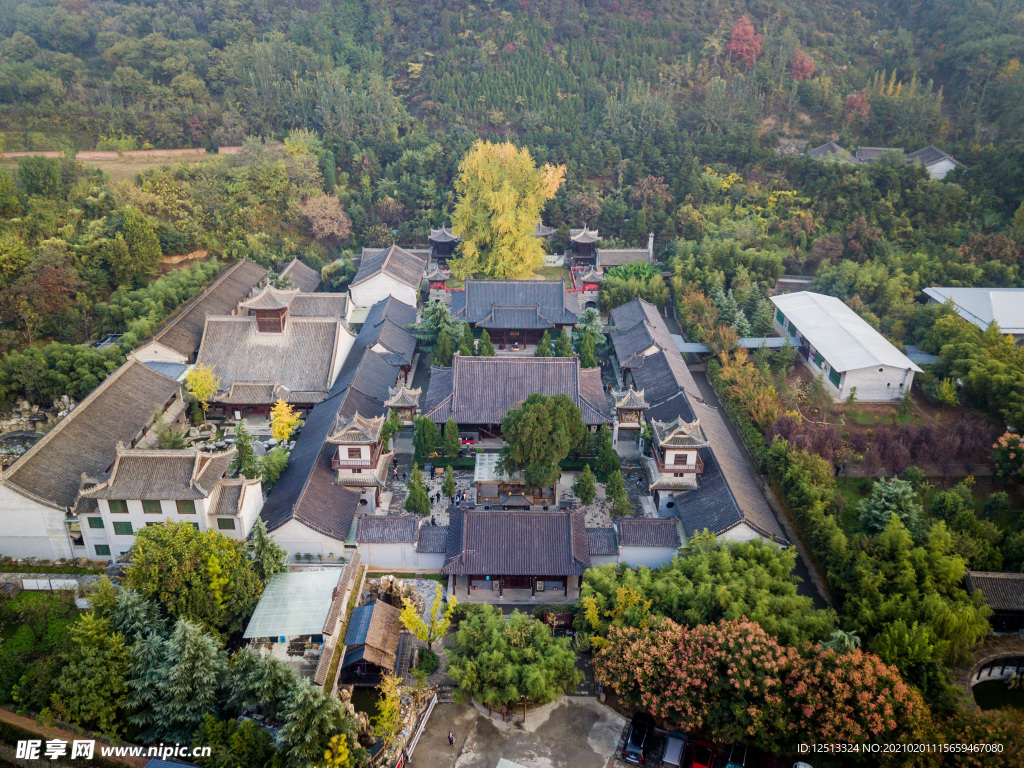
(802, 66)
(743, 44)
(856, 106)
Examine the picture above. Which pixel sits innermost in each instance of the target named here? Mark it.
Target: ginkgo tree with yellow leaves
(202, 383)
(283, 421)
(501, 193)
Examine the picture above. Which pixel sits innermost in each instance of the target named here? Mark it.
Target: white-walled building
(837, 343)
(146, 487)
(649, 541)
(39, 492)
(392, 272)
(985, 306)
(937, 163)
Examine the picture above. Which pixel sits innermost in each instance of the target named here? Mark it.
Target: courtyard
(579, 732)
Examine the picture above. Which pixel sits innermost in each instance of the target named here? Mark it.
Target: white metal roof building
(294, 604)
(837, 343)
(984, 306)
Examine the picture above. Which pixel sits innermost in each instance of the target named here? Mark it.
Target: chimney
(650, 245)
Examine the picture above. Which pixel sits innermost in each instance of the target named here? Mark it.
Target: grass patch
(332, 671)
(73, 570)
(553, 273)
(443, 580)
(994, 694)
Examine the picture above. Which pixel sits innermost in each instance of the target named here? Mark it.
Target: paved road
(801, 570)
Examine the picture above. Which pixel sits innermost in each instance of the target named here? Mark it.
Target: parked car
(702, 755)
(739, 756)
(675, 750)
(641, 731)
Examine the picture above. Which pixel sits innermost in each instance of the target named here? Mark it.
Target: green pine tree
(588, 357)
(448, 486)
(615, 492)
(585, 488)
(417, 501)
(246, 463)
(544, 346)
(443, 350)
(425, 438)
(466, 344)
(452, 443)
(607, 459)
(311, 718)
(191, 680)
(563, 347)
(485, 348)
(267, 557)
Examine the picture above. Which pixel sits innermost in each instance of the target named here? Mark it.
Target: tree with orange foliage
(802, 66)
(744, 45)
(856, 106)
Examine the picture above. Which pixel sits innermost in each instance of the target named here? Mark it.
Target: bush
(429, 662)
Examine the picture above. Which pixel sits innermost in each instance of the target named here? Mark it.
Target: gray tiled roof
(162, 474)
(227, 499)
(602, 541)
(184, 331)
(1002, 591)
(479, 303)
(306, 490)
(319, 305)
(832, 152)
(648, 532)
(395, 262)
(616, 257)
(386, 529)
(584, 235)
(481, 390)
(300, 358)
(85, 441)
(728, 493)
(269, 298)
(432, 539)
(401, 342)
(517, 543)
(443, 235)
(871, 154)
(305, 278)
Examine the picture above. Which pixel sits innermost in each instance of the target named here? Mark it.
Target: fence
(422, 726)
(49, 585)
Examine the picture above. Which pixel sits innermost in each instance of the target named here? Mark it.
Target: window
(818, 359)
(779, 316)
(151, 506)
(354, 453)
(123, 529)
(792, 329)
(103, 550)
(95, 522)
(195, 525)
(834, 377)
(226, 523)
(185, 506)
(118, 506)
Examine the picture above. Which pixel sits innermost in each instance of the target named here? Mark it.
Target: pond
(16, 443)
(364, 699)
(994, 694)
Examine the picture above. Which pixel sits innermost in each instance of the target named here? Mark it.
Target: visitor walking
(451, 739)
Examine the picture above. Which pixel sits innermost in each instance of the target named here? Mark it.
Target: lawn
(126, 168)
(553, 273)
(994, 694)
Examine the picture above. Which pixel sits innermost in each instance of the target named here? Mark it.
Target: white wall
(387, 556)
(344, 345)
(652, 557)
(429, 561)
(939, 170)
(252, 503)
(31, 529)
(877, 384)
(296, 538)
(380, 287)
(155, 352)
(596, 560)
